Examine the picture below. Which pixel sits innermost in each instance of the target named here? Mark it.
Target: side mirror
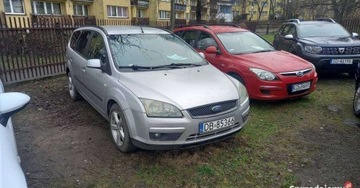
(94, 63)
(11, 103)
(355, 35)
(211, 50)
(289, 36)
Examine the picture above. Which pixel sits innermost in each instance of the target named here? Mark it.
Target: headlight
(313, 49)
(263, 74)
(155, 108)
(243, 93)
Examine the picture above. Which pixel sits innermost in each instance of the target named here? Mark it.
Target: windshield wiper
(262, 51)
(176, 65)
(135, 67)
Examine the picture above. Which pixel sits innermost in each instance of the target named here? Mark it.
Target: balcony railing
(180, 7)
(84, 1)
(140, 3)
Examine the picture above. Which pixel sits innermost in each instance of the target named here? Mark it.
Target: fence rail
(35, 47)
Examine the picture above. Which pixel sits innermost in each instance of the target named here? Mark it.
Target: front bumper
(281, 89)
(182, 132)
(322, 62)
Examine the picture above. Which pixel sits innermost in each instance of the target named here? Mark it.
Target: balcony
(180, 7)
(84, 1)
(213, 11)
(140, 3)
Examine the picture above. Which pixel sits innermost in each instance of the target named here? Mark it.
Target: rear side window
(82, 43)
(74, 39)
(205, 41)
(189, 37)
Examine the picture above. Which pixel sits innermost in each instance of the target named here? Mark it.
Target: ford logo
(217, 108)
(299, 73)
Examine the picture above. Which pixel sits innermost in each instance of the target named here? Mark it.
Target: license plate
(300, 86)
(218, 124)
(341, 61)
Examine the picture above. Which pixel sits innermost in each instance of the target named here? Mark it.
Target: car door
(95, 79)
(204, 41)
(78, 60)
(283, 43)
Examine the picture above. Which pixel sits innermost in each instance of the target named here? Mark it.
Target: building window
(192, 3)
(187, 16)
(236, 13)
(264, 13)
(177, 16)
(264, 4)
(193, 16)
(46, 8)
(114, 11)
(14, 6)
(164, 14)
(80, 10)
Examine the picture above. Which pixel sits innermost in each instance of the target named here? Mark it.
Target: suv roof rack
(293, 20)
(325, 19)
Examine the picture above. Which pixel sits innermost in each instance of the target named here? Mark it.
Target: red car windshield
(244, 42)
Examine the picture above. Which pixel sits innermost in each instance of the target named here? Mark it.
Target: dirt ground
(67, 144)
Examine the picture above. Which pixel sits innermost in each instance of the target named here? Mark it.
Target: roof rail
(325, 19)
(207, 25)
(293, 20)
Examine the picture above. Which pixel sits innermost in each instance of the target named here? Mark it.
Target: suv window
(289, 30)
(82, 43)
(205, 40)
(323, 30)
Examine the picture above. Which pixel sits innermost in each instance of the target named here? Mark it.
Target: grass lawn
(269, 38)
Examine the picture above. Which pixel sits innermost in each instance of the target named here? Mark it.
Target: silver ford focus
(155, 90)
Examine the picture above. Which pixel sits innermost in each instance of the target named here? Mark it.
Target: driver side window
(205, 40)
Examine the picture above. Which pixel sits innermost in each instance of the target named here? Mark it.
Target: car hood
(330, 41)
(184, 88)
(274, 61)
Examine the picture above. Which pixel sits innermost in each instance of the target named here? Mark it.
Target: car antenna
(142, 31)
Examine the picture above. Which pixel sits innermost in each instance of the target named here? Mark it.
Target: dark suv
(323, 42)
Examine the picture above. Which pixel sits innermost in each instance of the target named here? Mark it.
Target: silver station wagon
(153, 88)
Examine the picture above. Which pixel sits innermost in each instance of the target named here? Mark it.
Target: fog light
(265, 92)
(157, 135)
(164, 136)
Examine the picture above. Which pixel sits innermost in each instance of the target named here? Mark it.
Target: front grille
(207, 110)
(340, 50)
(202, 136)
(296, 73)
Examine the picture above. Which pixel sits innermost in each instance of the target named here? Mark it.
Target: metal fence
(35, 47)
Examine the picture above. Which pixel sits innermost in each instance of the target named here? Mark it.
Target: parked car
(268, 74)
(323, 42)
(11, 174)
(356, 100)
(155, 91)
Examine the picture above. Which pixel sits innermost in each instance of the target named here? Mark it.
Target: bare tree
(200, 5)
(260, 6)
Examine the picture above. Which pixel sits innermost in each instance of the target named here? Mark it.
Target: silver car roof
(118, 30)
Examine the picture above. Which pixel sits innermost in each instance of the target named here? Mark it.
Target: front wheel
(356, 101)
(119, 130)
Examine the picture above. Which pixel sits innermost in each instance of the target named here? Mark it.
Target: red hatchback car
(267, 74)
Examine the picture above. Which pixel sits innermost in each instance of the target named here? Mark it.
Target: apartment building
(101, 9)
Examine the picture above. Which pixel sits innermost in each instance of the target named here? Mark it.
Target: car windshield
(322, 30)
(149, 51)
(244, 42)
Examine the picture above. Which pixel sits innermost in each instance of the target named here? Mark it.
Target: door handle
(83, 69)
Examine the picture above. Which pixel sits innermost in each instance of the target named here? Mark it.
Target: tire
(74, 94)
(356, 101)
(119, 130)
